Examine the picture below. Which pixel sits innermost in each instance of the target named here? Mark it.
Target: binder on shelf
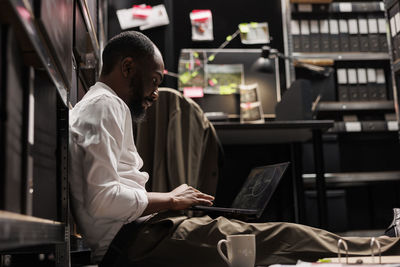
(373, 35)
(382, 35)
(314, 36)
(341, 7)
(305, 36)
(353, 85)
(324, 34)
(321, 8)
(351, 123)
(304, 7)
(295, 28)
(362, 84)
(356, 7)
(372, 86)
(353, 35)
(334, 35)
(373, 126)
(343, 93)
(363, 31)
(366, 6)
(344, 35)
(381, 84)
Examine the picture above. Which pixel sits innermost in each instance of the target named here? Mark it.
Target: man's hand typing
(180, 198)
(185, 196)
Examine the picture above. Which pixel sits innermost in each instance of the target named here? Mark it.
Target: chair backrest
(178, 144)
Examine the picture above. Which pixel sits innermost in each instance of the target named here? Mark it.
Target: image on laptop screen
(259, 187)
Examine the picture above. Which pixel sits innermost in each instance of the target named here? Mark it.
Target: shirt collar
(105, 86)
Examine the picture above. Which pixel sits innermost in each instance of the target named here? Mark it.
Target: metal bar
(90, 27)
(344, 56)
(21, 231)
(350, 106)
(298, 188)
(62, 251)
(357, 176)
(287, 42)
(320, 179)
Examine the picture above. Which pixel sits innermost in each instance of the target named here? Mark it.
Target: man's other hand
(185, 196)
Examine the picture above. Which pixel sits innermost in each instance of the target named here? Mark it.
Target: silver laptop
(255, 193)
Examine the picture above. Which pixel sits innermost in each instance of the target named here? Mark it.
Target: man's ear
(127, 67)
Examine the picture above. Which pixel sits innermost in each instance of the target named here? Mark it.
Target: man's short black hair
(126, 44)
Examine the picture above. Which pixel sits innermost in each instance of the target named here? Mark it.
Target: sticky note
(185, 77)
(244, 27)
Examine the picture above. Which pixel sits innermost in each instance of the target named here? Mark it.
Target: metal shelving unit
(352, 178)
(355, 106)
(21, 233)
(90, 27)
(343, 56)
(376, 114)
(395, 65)
(336, 56)
(21, 11)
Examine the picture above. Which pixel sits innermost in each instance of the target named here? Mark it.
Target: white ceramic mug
(241, 250)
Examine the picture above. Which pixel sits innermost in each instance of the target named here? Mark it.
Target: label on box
(345, 7)
(324, 26)
(305, 7)
(193, 92)
(314, 26)
(392, 126)
(353, 126)
(371, 75)
(343, 26)
(353, 27)
(295, 27)
(372, 26)
(382, 26)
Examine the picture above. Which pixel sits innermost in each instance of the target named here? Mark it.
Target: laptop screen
(259, 187)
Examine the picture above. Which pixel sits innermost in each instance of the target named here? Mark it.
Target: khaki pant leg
(182, 241)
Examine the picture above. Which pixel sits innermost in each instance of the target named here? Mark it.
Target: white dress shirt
(107, 188)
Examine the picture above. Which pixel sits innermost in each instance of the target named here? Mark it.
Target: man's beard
(138, 112)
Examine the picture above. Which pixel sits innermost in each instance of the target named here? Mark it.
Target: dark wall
(226, 17)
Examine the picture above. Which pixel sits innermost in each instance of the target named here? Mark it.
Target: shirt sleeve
(100, 133)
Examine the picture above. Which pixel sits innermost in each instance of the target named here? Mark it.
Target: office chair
(178, 144)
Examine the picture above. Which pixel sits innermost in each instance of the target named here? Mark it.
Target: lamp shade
(265, 63)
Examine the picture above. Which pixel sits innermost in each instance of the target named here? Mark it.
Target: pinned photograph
(202, 26)
(224, 79)
(143, 16)
(254, 33)
(250, 105)
(191, 70)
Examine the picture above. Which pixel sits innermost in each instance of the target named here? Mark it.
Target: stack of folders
(365, 33)
(361, 84)
(341, 7)
(394, 18)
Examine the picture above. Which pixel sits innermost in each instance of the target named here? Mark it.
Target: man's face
(144, 86)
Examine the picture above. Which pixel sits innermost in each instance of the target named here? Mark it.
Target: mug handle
(222, 241)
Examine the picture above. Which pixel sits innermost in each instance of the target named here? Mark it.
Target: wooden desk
(286, 132)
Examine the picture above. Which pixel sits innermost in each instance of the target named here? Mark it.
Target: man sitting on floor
(108, 189)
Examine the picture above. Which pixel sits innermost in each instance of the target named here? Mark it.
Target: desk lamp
(265, 62)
